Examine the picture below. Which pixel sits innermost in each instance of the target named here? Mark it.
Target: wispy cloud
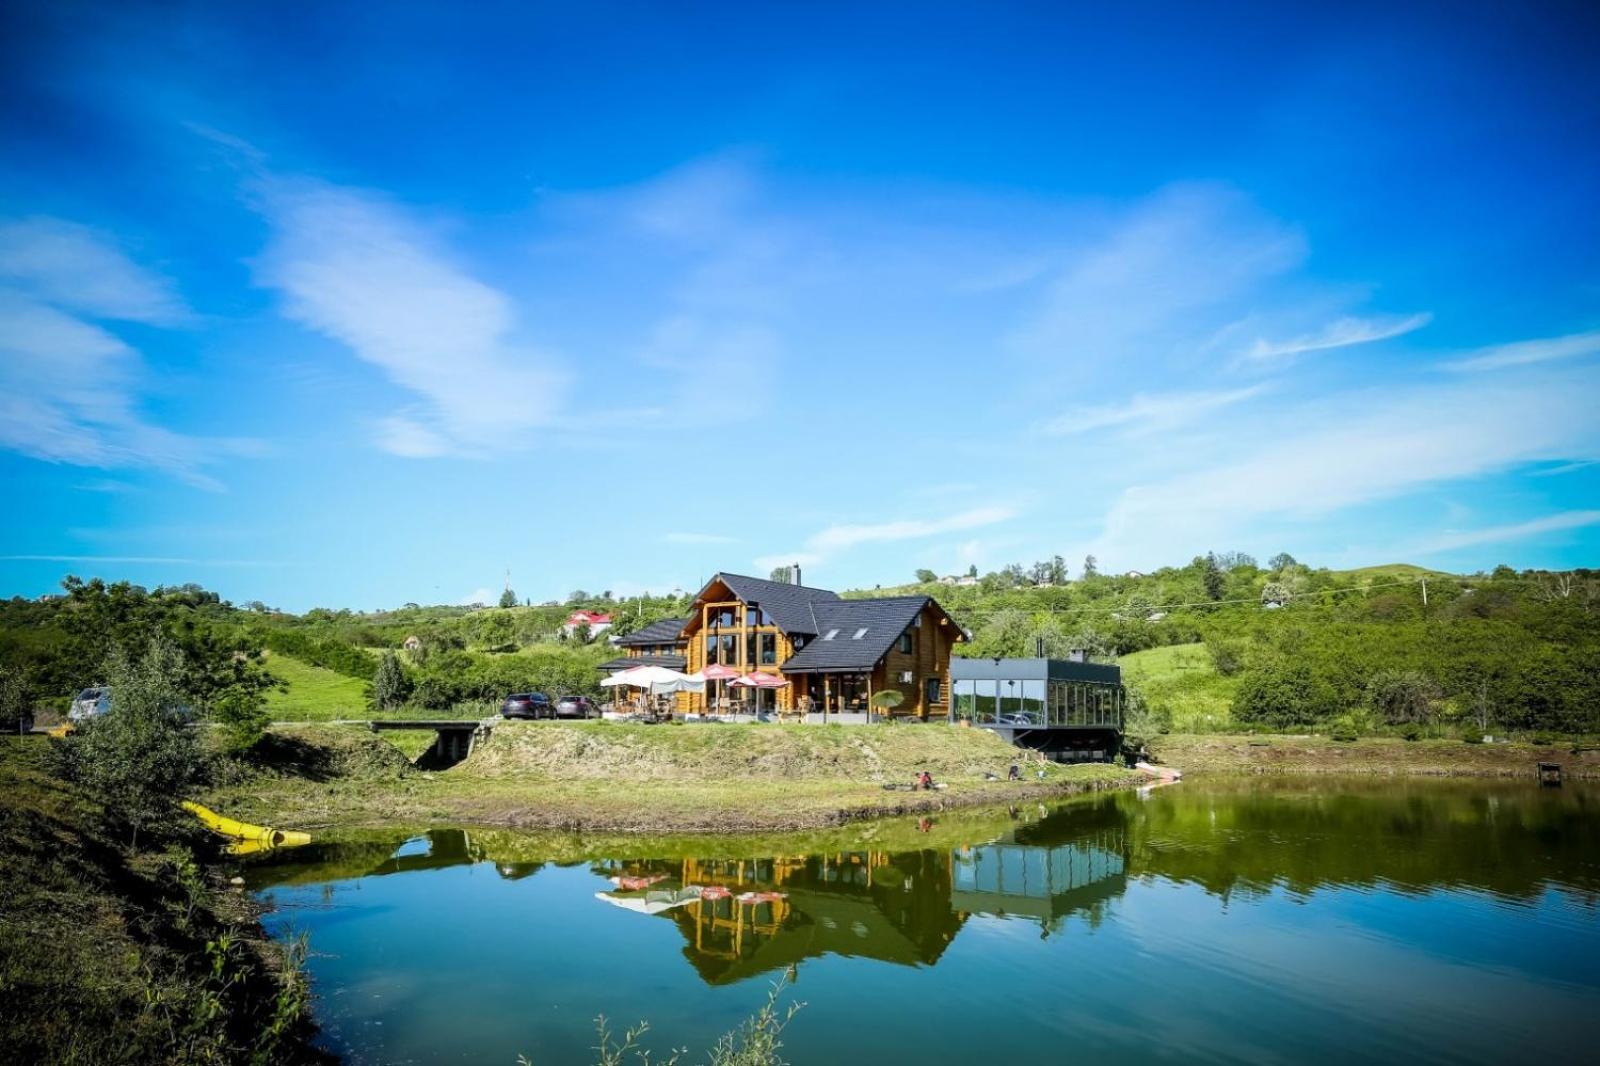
(69, 387)
(1173, 269)
(1518, 531)
(1341, 333)
(699, 538)
(1147, 413)
(147, 560)
(357, 268)
(837, 538)
(480, 597)
(1524, 353)
(1360, 447)
(83, 270)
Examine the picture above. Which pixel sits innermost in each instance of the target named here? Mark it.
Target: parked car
(576, 707)
(92, 702)
(1017, 718)
(528, 705)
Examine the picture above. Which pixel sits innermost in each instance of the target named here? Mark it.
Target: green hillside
(1181, 681)
(313, 693)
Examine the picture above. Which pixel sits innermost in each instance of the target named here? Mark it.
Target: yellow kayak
(264, 836)
(60, 731)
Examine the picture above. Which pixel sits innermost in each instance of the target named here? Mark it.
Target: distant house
(1134, 573)
(598, 623)
(959, 580)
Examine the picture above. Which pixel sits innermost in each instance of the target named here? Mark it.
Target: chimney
(797, 580)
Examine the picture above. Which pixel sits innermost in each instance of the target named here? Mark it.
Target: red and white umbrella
(758, 680)
(718, 672)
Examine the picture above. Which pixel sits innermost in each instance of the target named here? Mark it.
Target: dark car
(528, 705)
(576, 707)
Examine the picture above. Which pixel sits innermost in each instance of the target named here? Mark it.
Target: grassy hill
(314, 694)
(1180, 680)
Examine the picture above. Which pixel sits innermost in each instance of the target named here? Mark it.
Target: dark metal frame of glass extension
(1016, 694)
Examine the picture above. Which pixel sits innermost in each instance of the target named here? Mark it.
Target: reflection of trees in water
(1049, 864)
(1250, 837)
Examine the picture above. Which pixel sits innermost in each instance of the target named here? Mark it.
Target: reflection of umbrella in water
(654, 903)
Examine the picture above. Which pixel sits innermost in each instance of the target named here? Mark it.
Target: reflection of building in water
(1046, 883)
(745, 917)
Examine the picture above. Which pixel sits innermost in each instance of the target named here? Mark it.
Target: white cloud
(1147, 413)
(1355, 448)
(1524, 353)
(69, 387)
(149, 560)
(83, 270)
(481, 597)
(1454, 539)
(1172, 270)
(836, 538)
(699, 538)
(1341, 333)
(357, 269)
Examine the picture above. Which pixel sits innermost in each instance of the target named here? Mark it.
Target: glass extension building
(1070, 709)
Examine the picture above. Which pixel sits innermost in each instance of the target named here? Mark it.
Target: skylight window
(830, 634)
(860, 633)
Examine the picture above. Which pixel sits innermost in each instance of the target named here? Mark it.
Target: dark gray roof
(792, 608)
(665, 631)
(963, 669)
(883, 619)
(671, 662)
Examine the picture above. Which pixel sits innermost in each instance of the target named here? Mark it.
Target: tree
(140, 757)
(243, 716)
(783, 575)
(1275, 592)
(972, 570)
(1403, 697)
(1091, 567)
(1211, 578)
(1058, 570)
(926, 577)
(581, 633)
(390, 686)
(508, 598)
(13, 701)
(1281, 562)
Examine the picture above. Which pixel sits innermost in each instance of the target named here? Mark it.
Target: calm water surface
(1263, 921)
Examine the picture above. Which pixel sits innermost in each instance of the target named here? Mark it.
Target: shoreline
(1202, 754)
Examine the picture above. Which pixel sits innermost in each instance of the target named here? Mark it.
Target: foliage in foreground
(756, 1042)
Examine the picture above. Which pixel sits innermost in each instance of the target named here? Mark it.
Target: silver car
(90, 703)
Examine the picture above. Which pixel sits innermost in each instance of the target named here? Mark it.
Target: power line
(1209, 603)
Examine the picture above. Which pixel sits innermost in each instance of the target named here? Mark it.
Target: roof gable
(792, 608)
(882, 620)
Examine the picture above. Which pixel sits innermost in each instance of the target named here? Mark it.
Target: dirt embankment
(652, 779)
(1205, 753)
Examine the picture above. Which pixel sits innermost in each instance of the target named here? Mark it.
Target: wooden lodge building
(834, 653)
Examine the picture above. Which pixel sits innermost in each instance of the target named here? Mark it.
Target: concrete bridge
(455, 737)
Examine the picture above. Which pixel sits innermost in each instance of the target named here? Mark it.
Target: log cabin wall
(933, 637)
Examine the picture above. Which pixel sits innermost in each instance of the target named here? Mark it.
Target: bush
(333, 655)
(1344, 734)
(1401, 697)
(1411, 732)
(243, 717)
(1473, 737)
(390, 687)
(14, 714)
(1284, 694)
(1226, 655)
(140, 757)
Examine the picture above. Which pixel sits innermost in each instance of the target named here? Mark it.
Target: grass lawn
(1181, 679)
(315, 694)
(651, 779)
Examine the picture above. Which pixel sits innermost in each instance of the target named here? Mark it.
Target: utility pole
(1424, 594)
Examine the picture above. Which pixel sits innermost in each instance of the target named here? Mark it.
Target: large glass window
(711, 649)
(1033, 702)
(730, 650)
(1010, 700)
(986, 701)
(964, 697)
(769, 648)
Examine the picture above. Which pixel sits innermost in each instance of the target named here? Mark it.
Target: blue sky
(350, 305)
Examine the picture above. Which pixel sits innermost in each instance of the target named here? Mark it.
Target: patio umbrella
(718, 672)
(756, 679)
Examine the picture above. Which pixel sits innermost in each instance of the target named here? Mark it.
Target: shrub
(140, 757)
(1473, 737)
(243, 716)
(1283, 694)
(390, 686)
(1411, 732)
(1400, 697)
(13, 701)
(1226, 655)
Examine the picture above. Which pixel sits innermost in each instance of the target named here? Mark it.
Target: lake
(1266, 920)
